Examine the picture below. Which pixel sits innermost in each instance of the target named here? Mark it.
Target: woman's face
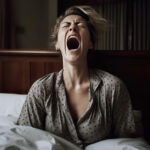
(73, 39)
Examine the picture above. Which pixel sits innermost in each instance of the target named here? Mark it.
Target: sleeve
(123, 118)
(33, 111)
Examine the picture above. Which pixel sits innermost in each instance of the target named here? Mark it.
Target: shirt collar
(59, 78)
(95, 79)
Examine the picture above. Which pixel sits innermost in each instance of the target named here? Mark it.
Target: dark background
(27, 24)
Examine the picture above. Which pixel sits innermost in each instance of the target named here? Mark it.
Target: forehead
(73, 18)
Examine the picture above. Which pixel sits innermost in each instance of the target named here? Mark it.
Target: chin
(72, 59)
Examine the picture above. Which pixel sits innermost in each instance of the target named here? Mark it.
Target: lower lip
(73, 50)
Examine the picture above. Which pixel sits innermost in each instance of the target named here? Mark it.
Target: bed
(20, 68)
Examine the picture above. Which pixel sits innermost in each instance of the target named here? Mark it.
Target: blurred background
(27, 24)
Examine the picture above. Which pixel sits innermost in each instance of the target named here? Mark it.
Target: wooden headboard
(20, 68)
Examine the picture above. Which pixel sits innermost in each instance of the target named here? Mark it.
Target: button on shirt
(109, 112)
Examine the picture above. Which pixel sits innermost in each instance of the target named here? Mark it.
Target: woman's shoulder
(107, 77)
(47, 81)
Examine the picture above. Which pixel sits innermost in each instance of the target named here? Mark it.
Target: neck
(75, 75)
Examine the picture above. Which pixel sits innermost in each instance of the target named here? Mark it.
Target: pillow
(120, 144)
(11, 104)
(7, 120)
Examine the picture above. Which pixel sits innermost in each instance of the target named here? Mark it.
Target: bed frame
(20, 68)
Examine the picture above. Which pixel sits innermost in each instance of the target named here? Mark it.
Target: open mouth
(72, 43)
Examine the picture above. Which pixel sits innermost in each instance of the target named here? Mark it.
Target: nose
(73, 27)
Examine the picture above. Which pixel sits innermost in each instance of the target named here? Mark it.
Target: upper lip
(73, 35)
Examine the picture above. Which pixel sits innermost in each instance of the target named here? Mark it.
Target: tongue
(72, 43)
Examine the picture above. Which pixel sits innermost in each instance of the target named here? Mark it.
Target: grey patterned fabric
(109, 113)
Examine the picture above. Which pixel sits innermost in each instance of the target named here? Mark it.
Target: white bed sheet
(120, 144)
(13, 137)
(11, 104)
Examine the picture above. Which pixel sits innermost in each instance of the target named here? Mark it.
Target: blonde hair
(96, 23)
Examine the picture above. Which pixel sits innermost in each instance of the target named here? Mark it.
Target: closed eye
(82, 24)
(79, 24)
(66, 24)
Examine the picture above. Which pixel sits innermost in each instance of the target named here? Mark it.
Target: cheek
(61, 39)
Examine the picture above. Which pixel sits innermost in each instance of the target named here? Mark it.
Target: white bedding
(11, 104)
(120, 144)
(13, 137)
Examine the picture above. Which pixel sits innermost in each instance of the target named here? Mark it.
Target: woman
(80, 104)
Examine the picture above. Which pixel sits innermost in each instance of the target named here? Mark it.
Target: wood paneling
(36, 70)
(52, 66)
(19, 69)
(14, 76)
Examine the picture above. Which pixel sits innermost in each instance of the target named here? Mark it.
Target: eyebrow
(66, 22)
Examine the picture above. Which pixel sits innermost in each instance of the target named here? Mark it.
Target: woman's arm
(33, 111)
(123, 118)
